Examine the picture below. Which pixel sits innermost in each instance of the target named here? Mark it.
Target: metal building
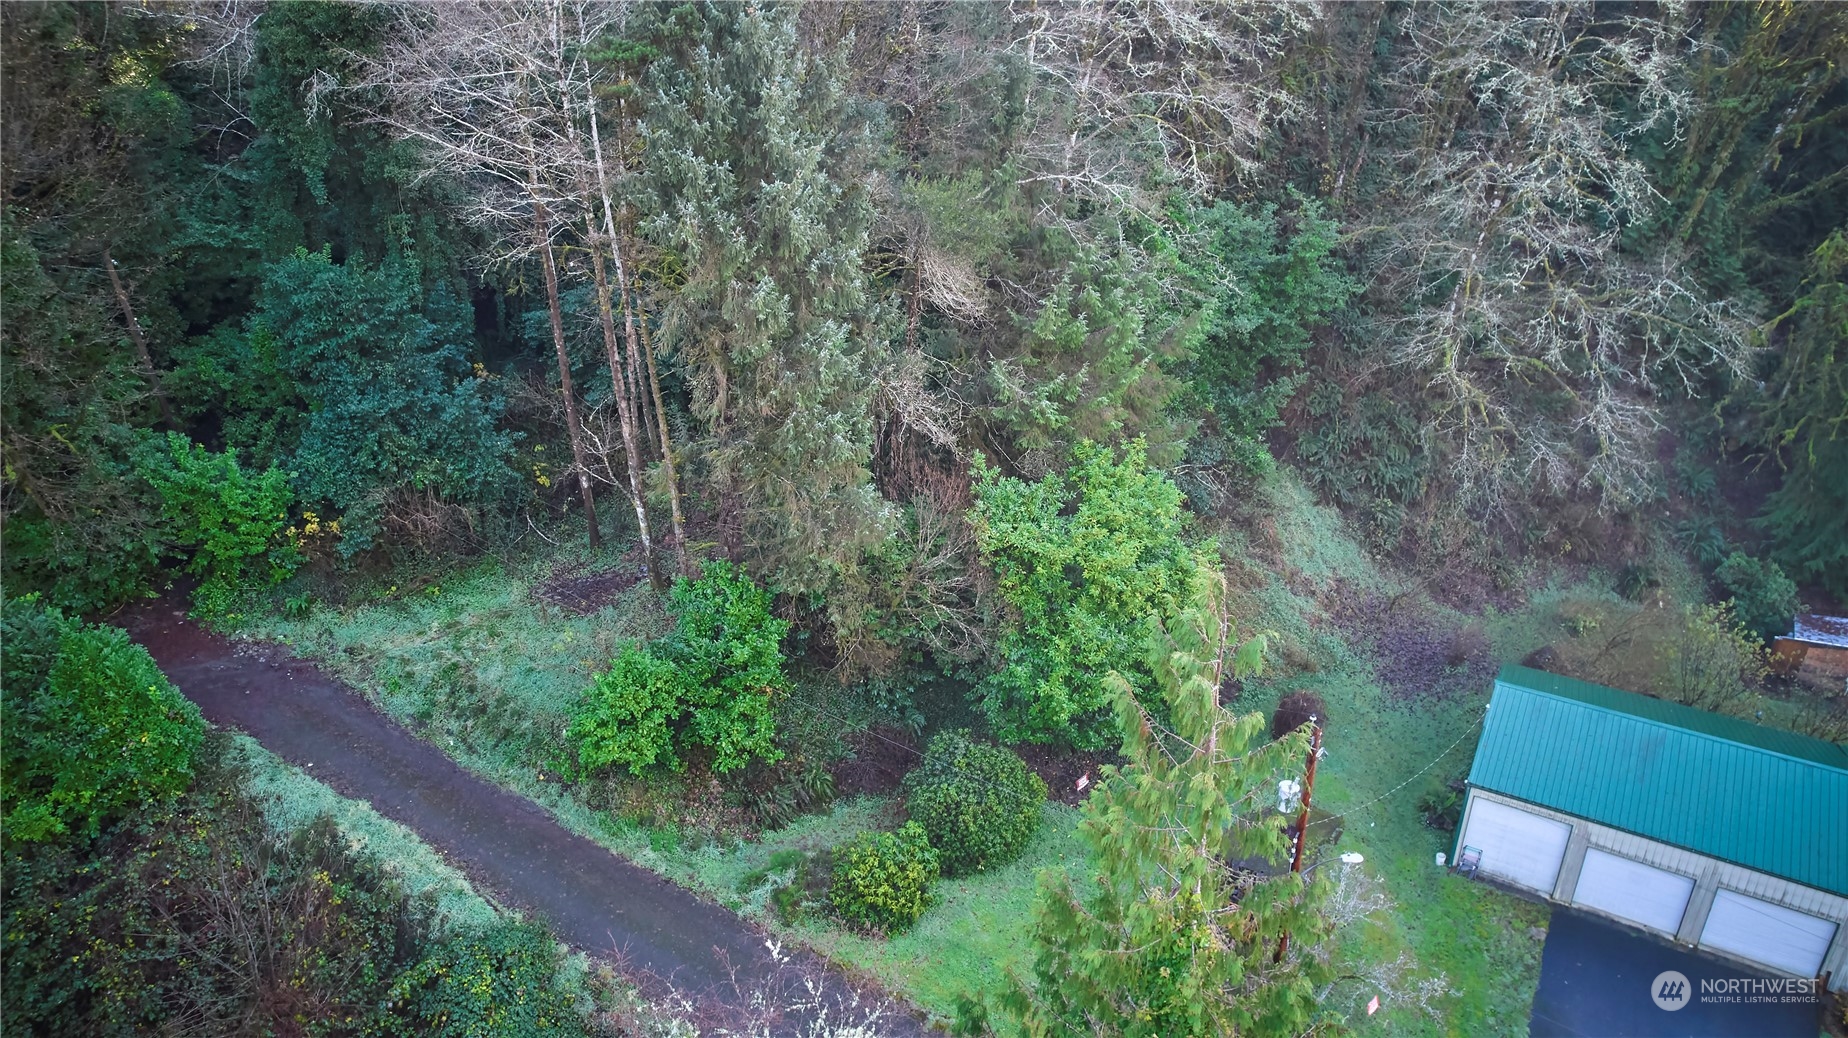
(1704, 829)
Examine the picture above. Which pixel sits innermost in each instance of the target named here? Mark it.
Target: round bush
(882, 880)
(979, 804)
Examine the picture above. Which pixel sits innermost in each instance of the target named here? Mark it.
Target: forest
(914, 475)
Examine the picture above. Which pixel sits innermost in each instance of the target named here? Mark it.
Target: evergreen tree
(753, 172)
(390, 403)
(1806, 420)
(1170, 942)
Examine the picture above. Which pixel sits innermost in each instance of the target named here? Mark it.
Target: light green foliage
(1764, 599)
(232, 522)
(978, 804)
(882, 881)
(1268, 278)
(1151, 948)
(1090, 365)
(1085, 559)
(1713, 661)
(486, 984)
(712, 683)
(93, 729)
(628, 714)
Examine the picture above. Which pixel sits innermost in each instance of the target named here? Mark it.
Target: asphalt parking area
(1596, 979)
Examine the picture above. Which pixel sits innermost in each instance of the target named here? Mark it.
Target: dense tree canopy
(1462, 261)
(941, 351)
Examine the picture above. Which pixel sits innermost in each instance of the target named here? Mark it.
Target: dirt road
(594, 900)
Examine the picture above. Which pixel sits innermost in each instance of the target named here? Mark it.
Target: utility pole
(1302, 820)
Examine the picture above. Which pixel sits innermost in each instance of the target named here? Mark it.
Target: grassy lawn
(292, 799)
(1456, 958)
(483, 668)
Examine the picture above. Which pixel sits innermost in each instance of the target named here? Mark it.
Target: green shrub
(627, 715)
(233, 522)
(1085, 559)
(1764, 599)
(978, 804)
(709, 684)
(93, 729)
(500, 981)
(198, 919)
(882, 881)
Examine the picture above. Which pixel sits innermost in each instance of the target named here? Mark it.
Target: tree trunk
(625, 408)
(141, 343)
(667, 447)
(574, 429)
(630, 336)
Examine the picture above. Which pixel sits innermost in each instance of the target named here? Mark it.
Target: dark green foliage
(502, 981)
(777, 794)
(1365, 454)
(1764, 599)
(391, 403)
(1443, 808)
(1806, 422)
(93, 729)
(197, 916)
(1085, 559)
(1269, 278)
(233, 523)
(978, 804)
(72, 403)
(1702, 538)
(881, 881)
(710, 684)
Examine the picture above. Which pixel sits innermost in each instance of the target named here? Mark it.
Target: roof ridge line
(1843, 768)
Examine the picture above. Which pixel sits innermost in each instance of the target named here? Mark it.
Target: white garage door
(1518, 846)
(1779, 937)
(1628, 889)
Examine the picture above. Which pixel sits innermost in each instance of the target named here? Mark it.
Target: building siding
(1710, 875)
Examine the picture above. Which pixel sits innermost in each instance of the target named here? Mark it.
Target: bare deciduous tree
(502, 96)
(1541, 338)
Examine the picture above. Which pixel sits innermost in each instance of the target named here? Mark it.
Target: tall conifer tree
(754, 160)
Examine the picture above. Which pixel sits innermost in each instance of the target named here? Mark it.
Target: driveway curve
(594, 900)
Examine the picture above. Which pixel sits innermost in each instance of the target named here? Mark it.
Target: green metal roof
(1760, 797)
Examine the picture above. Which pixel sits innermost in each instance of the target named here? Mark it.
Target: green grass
(1458, 935)
(976, 929)
(489, 673)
